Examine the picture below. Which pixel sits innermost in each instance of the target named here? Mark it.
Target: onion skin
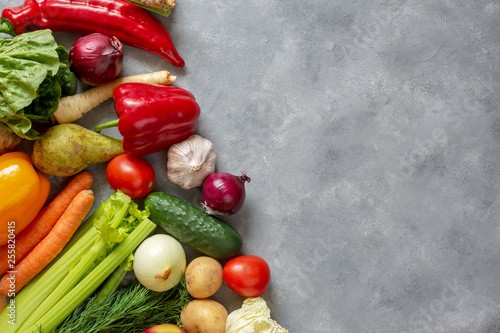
(96, 59)
(224, 193)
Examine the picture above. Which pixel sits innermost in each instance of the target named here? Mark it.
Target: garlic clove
(191, 161)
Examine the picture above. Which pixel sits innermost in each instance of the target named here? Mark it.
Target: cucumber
(193, 226)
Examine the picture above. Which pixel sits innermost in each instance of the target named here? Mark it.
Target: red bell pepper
(132, 25)
(152, 117)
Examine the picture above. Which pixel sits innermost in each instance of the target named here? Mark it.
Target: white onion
(160, 262)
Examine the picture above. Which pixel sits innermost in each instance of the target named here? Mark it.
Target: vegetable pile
(70, 264)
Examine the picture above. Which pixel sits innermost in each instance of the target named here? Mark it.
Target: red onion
(96, 59)
(223, 193)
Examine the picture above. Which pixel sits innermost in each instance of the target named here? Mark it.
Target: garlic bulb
(160, 262)
(191, 161)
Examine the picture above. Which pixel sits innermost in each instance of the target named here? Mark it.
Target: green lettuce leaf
(65, 76)
(34, 74)
(45, 104)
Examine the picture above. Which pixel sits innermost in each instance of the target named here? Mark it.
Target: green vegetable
(193, 226)
(113, 228)
(34, 74)
(131, 309)
(56, 315)
(82, 267)
(115, 280)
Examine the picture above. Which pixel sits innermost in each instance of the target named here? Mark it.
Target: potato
(204, 316)
(203, 277)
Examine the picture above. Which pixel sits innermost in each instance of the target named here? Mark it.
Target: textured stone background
(371, 132)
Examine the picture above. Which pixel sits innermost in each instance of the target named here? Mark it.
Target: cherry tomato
(247, 275)
(132, 175)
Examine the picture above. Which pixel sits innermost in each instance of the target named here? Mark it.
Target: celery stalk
(91, 282)
(86, 264)
(33, 294)
(28, 301)
(114, 281)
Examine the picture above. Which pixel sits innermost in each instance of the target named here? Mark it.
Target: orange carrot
(3, 305)
(44, 221)
(50, 246)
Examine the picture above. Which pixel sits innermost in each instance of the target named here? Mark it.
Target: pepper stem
(111, 123)
(6, 27)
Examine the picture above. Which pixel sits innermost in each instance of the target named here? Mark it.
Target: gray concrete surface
(371, 132)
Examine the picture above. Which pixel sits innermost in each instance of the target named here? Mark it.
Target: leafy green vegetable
(46, 102)
(65, 76)
(131, 309)
(34, 74)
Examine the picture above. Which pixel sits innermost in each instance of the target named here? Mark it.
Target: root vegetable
(203, 277)
(204, 316)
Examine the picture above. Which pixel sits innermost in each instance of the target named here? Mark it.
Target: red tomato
(247, 275)
(132, 175)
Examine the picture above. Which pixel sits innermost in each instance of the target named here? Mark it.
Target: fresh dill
(131, 309)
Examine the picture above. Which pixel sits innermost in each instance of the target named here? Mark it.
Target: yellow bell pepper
(23, 192)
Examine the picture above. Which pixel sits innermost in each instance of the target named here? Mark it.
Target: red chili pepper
(152, 117)
(132, 25)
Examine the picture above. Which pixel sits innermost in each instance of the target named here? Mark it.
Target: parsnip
(74, 107)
